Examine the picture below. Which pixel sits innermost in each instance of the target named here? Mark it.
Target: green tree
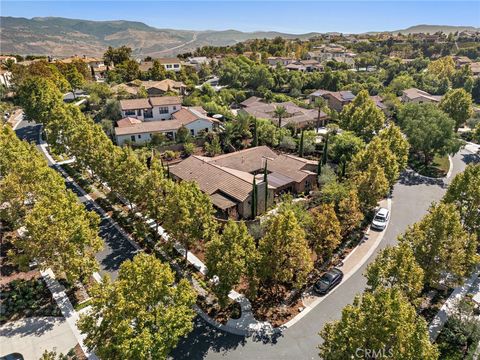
(284, 253)
(189, 216)
(349, 213)
(441, 245)
(382, 320)
(464, 193)
(141, 315)
(397, 143)
(378, 152)
(457, 104)
(60, 235)
(128, 172)
(372, 185)
(38, 97)
(280, 112)
(400, 83)
(428, 129)
(397, 267)
(362, 116)
(117, 56)
(75, 79)
(321, 105)
(325, 233)
(231, 255)
(345, 146)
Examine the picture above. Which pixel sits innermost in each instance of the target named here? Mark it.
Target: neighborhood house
(228, 178)
(414, 95)
(135, 130)
(295, 116)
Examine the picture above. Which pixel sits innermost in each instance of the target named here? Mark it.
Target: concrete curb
(449, 173)
(346, 276)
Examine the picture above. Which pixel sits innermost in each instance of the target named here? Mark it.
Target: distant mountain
(431, 29)
(63, 37)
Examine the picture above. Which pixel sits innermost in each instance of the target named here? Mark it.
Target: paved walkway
(436, 325)
(68, 312)
(32, 336)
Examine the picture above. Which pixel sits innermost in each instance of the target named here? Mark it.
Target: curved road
(411, 197)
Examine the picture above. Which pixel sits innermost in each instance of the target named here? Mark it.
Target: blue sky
(287, 16)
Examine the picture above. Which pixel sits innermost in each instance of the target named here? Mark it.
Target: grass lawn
(438, 168)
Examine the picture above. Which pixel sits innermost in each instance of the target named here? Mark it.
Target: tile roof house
(134, 130)
(151, 109)
(296, 115)
(336, 99)
(153, 88)
(228, 178)
(419, 96)
(170, 64)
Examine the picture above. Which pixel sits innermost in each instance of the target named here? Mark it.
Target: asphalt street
(116, 248)
(411, 197)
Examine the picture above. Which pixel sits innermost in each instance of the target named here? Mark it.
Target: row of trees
(59, 232)
(442, 247)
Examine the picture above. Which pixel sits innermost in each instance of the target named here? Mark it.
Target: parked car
(328, 281)
(381, 219)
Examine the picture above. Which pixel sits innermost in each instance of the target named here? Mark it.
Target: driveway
(32, 336)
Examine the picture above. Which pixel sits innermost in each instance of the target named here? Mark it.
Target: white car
(381, 219)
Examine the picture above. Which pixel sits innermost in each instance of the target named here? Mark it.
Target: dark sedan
(328, 281)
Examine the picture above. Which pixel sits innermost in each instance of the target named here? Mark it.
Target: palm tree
(320, 104)
(280, 112)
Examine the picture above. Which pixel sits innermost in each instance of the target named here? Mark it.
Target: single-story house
(414, 95)
(170, 64)
(135, 130)
(152, 108)
(228, 178)
(475, 68)
(296, 115)
(274, 60)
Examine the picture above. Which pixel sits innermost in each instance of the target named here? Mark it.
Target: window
(139, 112)
(206, 130)
(163, 109)
(129, 112)
(132, 138)
(174, 108)
(168, 66)
(192, 132)
(139, 136)
(176, 66)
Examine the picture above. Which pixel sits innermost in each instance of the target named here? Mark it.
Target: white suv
(380, 220)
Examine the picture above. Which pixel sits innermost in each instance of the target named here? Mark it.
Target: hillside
(63, 37)
(431, 29)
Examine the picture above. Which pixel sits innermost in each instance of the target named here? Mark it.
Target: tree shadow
(29, 133)
(470, 158)
(410, 178)
(205, 338)
(29, 326)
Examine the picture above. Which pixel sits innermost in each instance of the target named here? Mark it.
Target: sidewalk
(357, 257)
(69, 313)
(436, 325)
